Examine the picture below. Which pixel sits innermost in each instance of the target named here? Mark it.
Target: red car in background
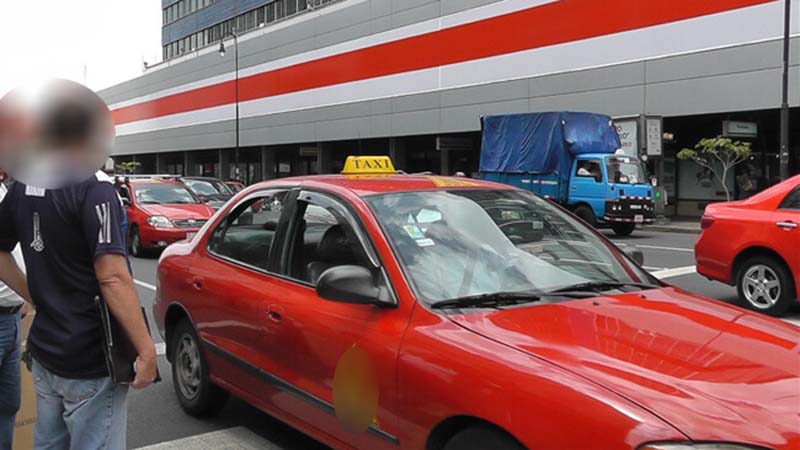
(160, 212)
(754, 244)
(423, 312)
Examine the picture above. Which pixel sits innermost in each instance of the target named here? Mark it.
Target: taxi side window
(323, 238)
(791, 201)
(246, 235)
(587, 168)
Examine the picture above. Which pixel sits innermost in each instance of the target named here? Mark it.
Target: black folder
(118, 349)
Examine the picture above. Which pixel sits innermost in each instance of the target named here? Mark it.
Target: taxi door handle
(275, 313)
(786, 225)
(197, 283)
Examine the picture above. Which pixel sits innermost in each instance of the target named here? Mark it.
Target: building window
(302, 5)
(291, 7)
(260, 19)
(270, 10)
(279, 11)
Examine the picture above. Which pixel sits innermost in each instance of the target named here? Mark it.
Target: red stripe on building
(551, 24)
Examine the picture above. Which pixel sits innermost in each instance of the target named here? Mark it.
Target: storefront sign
(628, 130)
(732, 128)
(655, 136)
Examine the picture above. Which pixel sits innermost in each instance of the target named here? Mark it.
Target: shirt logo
(104, 233)
(38, 242)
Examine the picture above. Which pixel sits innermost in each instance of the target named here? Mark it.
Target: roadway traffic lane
(155, 416)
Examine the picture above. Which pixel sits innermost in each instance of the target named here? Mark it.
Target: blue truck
(572, 158)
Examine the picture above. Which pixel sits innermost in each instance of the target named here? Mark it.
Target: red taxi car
(423, 312)
(754, 244)
(160, 212)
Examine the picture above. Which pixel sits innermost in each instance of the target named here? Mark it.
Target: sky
(58, 38)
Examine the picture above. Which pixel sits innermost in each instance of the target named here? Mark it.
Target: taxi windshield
(461, 243)
(203, 187)
(625, 170)
(163, 193)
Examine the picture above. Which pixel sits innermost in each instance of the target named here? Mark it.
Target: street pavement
(157, 422)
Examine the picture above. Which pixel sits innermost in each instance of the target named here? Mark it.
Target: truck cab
(611, 190)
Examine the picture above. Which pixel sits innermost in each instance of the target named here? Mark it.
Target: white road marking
(145, 285)
(795, 322)
(657, 247)
(676, 272)
(238, 438)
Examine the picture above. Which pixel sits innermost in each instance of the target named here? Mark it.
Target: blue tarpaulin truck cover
(543, 143)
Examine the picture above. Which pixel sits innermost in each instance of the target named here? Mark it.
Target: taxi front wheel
(196, 393)
(482, 438)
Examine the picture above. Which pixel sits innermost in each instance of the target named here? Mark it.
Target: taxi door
(343, 379)
(783, 230)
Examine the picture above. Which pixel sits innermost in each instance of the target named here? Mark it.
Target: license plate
(638, 218)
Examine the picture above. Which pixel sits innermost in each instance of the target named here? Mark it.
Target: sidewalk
(675, 225)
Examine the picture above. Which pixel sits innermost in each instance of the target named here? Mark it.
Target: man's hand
(145, 371)
(12, 276)
(26, 309)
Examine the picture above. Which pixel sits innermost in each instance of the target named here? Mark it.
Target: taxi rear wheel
(482, 438)
(196, 393)
(765, 285)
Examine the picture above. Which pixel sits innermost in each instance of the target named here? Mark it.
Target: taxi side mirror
(351, 284)
(635, 254)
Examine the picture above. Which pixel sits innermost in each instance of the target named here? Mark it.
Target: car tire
(135, 248)
(765, 285)
(585, 212)
(623, 229)
(482, 438)
(196, 393)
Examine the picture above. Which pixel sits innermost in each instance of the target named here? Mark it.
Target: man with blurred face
(74, 251)
(12, 306)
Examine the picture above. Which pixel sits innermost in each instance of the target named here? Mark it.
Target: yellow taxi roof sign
(368, 165)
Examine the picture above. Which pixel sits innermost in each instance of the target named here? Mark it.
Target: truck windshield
(625, 170)
(458, 243)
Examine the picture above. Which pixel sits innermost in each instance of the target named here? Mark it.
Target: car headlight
(159, 222)
(699, 446)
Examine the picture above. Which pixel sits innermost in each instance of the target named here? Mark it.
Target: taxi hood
(179, 211)
(714, 371)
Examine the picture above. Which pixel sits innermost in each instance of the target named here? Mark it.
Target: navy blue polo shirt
(61, 232)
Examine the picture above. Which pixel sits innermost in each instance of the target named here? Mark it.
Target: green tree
(128, 167)
(719, 155)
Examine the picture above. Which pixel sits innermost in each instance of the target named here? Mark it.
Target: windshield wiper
(488, 300)
(596, 286)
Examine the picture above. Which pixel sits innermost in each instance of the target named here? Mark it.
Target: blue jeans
(79, 414)
(10, 377)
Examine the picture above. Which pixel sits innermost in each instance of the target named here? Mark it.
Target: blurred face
(55, 134)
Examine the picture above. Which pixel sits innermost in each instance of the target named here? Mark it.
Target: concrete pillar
(325, 158)
(267, 163)
(445, 155)
(397, 151)
(224, 166)
(189, 166)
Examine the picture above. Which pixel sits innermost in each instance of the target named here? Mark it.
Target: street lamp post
(235, 37)
(784, 150)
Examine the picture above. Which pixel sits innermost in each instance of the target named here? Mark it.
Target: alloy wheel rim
(135, 244)
(761, 286)
(187, 363)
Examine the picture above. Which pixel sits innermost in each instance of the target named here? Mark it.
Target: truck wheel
(765, 285)
(196, 393)
(623, 229)
(482, 437)
(586, 213)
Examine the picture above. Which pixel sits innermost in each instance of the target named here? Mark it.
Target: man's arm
(12, 276)
(119, 292)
